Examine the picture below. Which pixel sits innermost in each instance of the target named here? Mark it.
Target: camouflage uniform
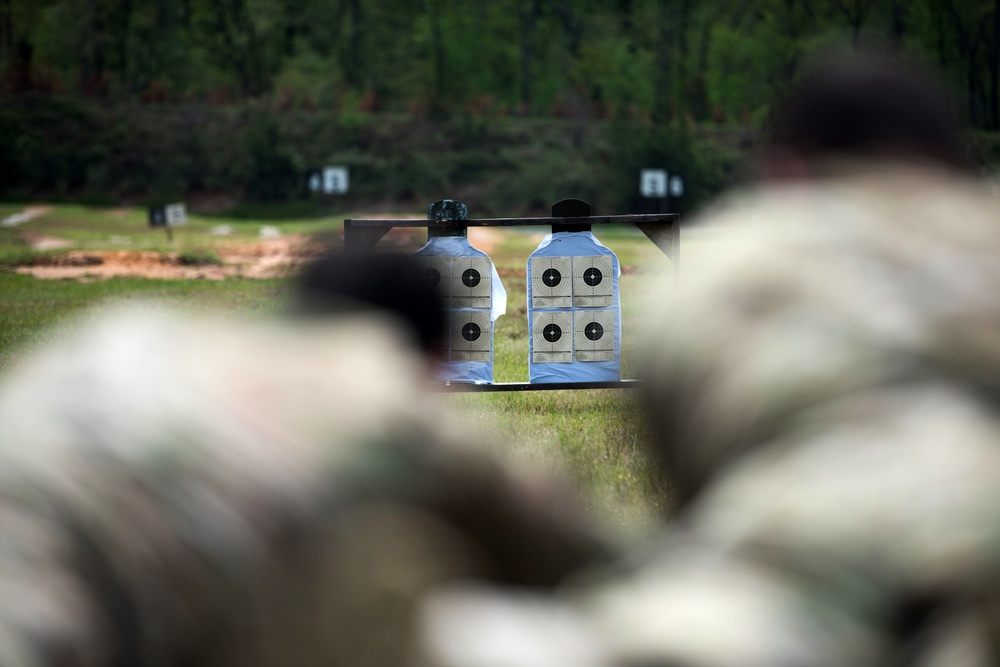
(824, 396)
(175, 490)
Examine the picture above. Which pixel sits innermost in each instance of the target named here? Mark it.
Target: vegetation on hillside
(711, 60)
(508, 104)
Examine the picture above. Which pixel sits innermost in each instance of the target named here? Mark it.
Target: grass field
(597, 435)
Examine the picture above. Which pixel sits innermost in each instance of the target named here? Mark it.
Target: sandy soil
(484, 238)
(260, 258)
(265, 258)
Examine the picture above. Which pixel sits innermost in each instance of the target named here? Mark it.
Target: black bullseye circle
(551, 277)
(470, 277)
(471, 331)
(594, 331)
(433, 276)
(551, 332)
(593, 276)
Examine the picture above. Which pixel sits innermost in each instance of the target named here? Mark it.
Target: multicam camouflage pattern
(182, 491)
(823, 387)
(824, 392)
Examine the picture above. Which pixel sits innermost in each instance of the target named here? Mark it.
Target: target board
(471, 332)
(593, 283)
(470, 282)
(552, 338)
(467, 282)
(438, 273)
(551, 282)
(594, 335)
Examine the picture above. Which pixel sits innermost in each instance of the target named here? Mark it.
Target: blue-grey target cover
(475, 297)
(574, 310)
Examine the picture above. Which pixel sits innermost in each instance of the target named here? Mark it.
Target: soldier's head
(862, 108)
(386, 283)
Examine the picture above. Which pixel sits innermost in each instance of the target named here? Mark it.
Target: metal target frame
(569, 215)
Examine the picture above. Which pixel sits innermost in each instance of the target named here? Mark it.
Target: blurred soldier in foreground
(395, 285)
(178, 490)
(824, 391)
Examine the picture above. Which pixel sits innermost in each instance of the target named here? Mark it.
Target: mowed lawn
(597, 436)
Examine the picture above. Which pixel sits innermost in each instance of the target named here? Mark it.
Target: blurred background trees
(698, 71)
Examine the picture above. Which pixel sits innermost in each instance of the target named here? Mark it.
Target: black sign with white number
(158, 216)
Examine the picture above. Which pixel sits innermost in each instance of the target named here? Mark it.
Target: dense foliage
(68, 149)
(241, 95)
(711, 60)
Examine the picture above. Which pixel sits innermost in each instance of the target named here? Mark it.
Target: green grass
(597, 436)
(97, 228)
(30, 307)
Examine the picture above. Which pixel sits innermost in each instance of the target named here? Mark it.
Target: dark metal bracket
(663, 229)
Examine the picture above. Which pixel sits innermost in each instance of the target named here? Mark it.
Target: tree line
(711, 61)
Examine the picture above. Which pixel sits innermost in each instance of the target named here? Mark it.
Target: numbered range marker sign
(676, 186)
(171, 215)
(314, 180)
(653, 183)
(329, 180)
(335, 180)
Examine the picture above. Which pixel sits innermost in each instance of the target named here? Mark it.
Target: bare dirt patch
(29, 213)
(257, 258)
(484, 238)
(40, 242)
(266, 258)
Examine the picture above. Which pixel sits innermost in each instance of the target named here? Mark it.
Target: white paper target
(593, 281)
(438, 272)
(552, 338)
(471, 282)
(471, 332)
(594, 335)
(653, 182)
(551, 282)
(176, 214)
(336, 180)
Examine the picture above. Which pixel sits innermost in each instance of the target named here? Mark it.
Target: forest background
(507, 105)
